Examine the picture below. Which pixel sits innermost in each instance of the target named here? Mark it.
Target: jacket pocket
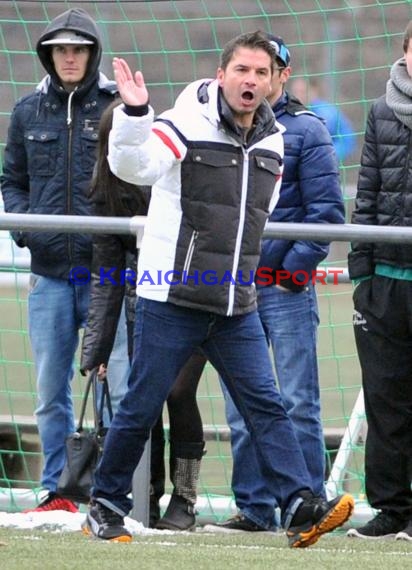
(265, 174)
(41, 148)
(89, 145)
(212, 176)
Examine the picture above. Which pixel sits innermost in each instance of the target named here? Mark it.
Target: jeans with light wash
(290, 321)
(118, 368)
(57, 311)
(165, 337)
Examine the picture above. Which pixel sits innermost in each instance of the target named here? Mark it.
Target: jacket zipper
(406, 170)
(69, 169)
(190, 250)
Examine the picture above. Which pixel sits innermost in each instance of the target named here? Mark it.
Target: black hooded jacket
(50, 152)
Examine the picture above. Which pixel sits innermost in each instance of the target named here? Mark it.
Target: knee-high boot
(185, 459)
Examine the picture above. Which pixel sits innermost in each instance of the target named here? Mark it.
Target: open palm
(132, 89)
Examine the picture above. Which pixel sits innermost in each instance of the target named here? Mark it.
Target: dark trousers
(383, 333)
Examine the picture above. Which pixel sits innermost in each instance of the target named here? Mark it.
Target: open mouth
(248, 95)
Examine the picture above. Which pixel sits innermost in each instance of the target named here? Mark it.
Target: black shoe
(406, 533)
(384, 525)
(179, 515)
(236, 524)
(104, 523)
(316, 516)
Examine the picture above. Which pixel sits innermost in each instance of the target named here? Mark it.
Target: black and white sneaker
(102, 522)
(384, 525)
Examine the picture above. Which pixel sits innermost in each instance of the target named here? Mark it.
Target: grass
(39, 550)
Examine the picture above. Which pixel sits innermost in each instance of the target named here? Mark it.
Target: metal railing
(274, 230)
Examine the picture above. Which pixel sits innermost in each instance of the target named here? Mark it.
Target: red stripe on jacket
(167, 142)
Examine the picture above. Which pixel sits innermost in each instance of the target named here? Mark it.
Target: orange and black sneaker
(102, 522)
(54, 502)
(316, 516)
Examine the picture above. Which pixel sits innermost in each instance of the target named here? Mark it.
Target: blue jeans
(165, 337)
(118, 368)
(57, 312)
(290, 321)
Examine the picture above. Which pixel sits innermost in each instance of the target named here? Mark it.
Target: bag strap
(99, 403)
(94, 381)
(84, 403)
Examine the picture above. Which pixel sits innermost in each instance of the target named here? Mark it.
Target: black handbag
(84, 447)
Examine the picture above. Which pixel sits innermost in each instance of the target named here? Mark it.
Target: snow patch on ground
(62, 521)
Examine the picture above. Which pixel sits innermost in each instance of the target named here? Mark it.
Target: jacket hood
(207, 92)
(76, 20)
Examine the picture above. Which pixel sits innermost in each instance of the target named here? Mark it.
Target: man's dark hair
(407, 36)
(251, 40)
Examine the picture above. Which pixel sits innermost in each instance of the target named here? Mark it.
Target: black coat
(384, 195)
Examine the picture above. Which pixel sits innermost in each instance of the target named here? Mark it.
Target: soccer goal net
(344, 49)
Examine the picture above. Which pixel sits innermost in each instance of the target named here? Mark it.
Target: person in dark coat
(382, 299)
(47, 169)
(287, 301)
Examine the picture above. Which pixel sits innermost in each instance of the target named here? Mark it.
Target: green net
(346, 47)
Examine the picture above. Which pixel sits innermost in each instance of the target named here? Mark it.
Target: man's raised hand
(132, 90)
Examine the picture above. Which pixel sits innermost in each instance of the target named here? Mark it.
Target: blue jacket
(50, 153)
(310, 191)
